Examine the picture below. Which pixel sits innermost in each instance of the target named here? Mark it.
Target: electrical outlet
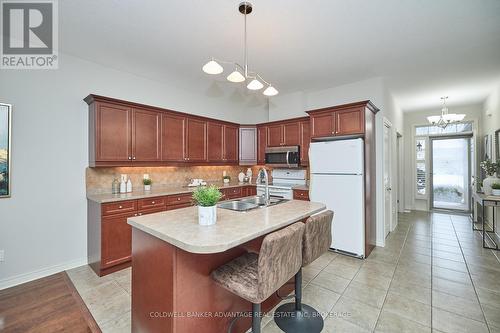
(2, 255)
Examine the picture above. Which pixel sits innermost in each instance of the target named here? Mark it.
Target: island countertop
(180, 227)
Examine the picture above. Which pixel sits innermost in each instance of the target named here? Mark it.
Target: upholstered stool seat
(297, 317)
(256, 277)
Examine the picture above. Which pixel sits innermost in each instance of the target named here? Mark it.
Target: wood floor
(50, 304)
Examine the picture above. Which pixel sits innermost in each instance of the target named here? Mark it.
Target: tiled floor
(432, 276)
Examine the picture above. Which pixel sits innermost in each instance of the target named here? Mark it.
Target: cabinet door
(196, 140)
(173, 138)
(305, 140)
(116, 240)
(350, 122)
(113, 132)
(146, 135)
(275, 135)
(261, 144)
(215, 142)
(248, 146)
(322, 125)
(291, 134)
(230, 143)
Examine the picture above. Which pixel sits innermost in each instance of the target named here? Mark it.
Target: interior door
(450, 173)
(146, 135)
(387, 181)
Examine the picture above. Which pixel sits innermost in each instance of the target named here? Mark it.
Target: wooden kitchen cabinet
(196, 140)
(215, 141)
(301, 195)
(173, 137)
(230, 143)
(305, 141)
(291, 134)
(261, 144)
(110, 132)
(348, 119)
(275, 135)
(117, 247)
(146, 127)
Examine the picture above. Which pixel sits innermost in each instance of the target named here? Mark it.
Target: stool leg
(298, 290)
(256, 318)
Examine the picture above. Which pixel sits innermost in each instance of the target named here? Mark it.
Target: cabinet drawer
(151, 210)
(178, 206)
(301, 195)
(179, 199)
(148, 203)
(232, 193)
(119, 207)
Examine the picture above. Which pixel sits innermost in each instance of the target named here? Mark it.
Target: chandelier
(445, 118)
(241, 73)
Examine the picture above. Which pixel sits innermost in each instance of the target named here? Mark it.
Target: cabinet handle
(140, 214)
(133, 158)
(129, 157)
(178, 199)
(120, 207)
(152, 202)
(135, 214)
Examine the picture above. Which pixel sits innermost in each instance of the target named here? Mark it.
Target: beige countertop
(180, 227)
(156, 191)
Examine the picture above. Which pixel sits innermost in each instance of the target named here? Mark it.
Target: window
(450, 129)
(421, 170)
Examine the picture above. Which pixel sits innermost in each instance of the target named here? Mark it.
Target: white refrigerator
(337, 180)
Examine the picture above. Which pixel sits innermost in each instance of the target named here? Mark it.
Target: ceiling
(424, 49)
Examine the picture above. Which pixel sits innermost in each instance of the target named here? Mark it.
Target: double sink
(246, 204)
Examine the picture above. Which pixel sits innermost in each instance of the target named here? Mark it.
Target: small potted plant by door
(490, 168)
(147, 184)
(495, 189)
(206, 197)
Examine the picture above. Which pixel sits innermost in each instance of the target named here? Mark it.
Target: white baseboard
(27, 277)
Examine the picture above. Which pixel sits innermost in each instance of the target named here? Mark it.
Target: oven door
(288, 156)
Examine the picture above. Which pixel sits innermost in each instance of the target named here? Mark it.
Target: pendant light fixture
(445, 118)
(241, 73)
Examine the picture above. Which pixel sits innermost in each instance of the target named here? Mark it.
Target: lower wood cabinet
(301, 195)
(109, 236)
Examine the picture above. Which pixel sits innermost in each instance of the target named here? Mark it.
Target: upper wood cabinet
(196, 140)
(110, 136)
(261, 144)
(305, 140)
(222, 142)
(230, 143)
(173, 138)
(291, 134)
(146, 127)
(348, 119)
(275, 135)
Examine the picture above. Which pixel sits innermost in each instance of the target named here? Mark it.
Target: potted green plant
(495, 188)
(490, 168)
(147, 184)
(226, 179)
(206, 197)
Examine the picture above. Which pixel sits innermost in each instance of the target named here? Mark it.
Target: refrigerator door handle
(287, 160)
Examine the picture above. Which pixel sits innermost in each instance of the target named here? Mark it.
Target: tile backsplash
(99, 180)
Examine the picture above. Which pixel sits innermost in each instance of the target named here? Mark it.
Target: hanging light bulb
(270, 91)
(255, 85)
(236, 76)
(212, 67)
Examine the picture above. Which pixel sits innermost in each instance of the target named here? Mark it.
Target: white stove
(283, 182)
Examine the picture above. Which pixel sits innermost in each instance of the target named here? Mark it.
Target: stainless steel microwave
(285, 156)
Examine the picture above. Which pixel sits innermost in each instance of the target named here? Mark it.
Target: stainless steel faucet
(263, 173)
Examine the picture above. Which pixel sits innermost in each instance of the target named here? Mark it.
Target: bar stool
(298, 317)
(256, 277)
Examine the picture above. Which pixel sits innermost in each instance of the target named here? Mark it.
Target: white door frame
(388, 150)
(400, 176)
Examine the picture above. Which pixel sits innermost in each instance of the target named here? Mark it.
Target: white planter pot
(207, 215)
(488, 182)
(495, 192)
(226, 181)
(147, 187)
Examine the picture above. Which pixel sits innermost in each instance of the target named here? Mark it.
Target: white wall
(411, 119)
(43, 226)
(295, 105)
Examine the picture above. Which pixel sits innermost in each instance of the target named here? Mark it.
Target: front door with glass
(450, 173)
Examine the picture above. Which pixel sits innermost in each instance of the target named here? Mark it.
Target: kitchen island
(173, 256)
